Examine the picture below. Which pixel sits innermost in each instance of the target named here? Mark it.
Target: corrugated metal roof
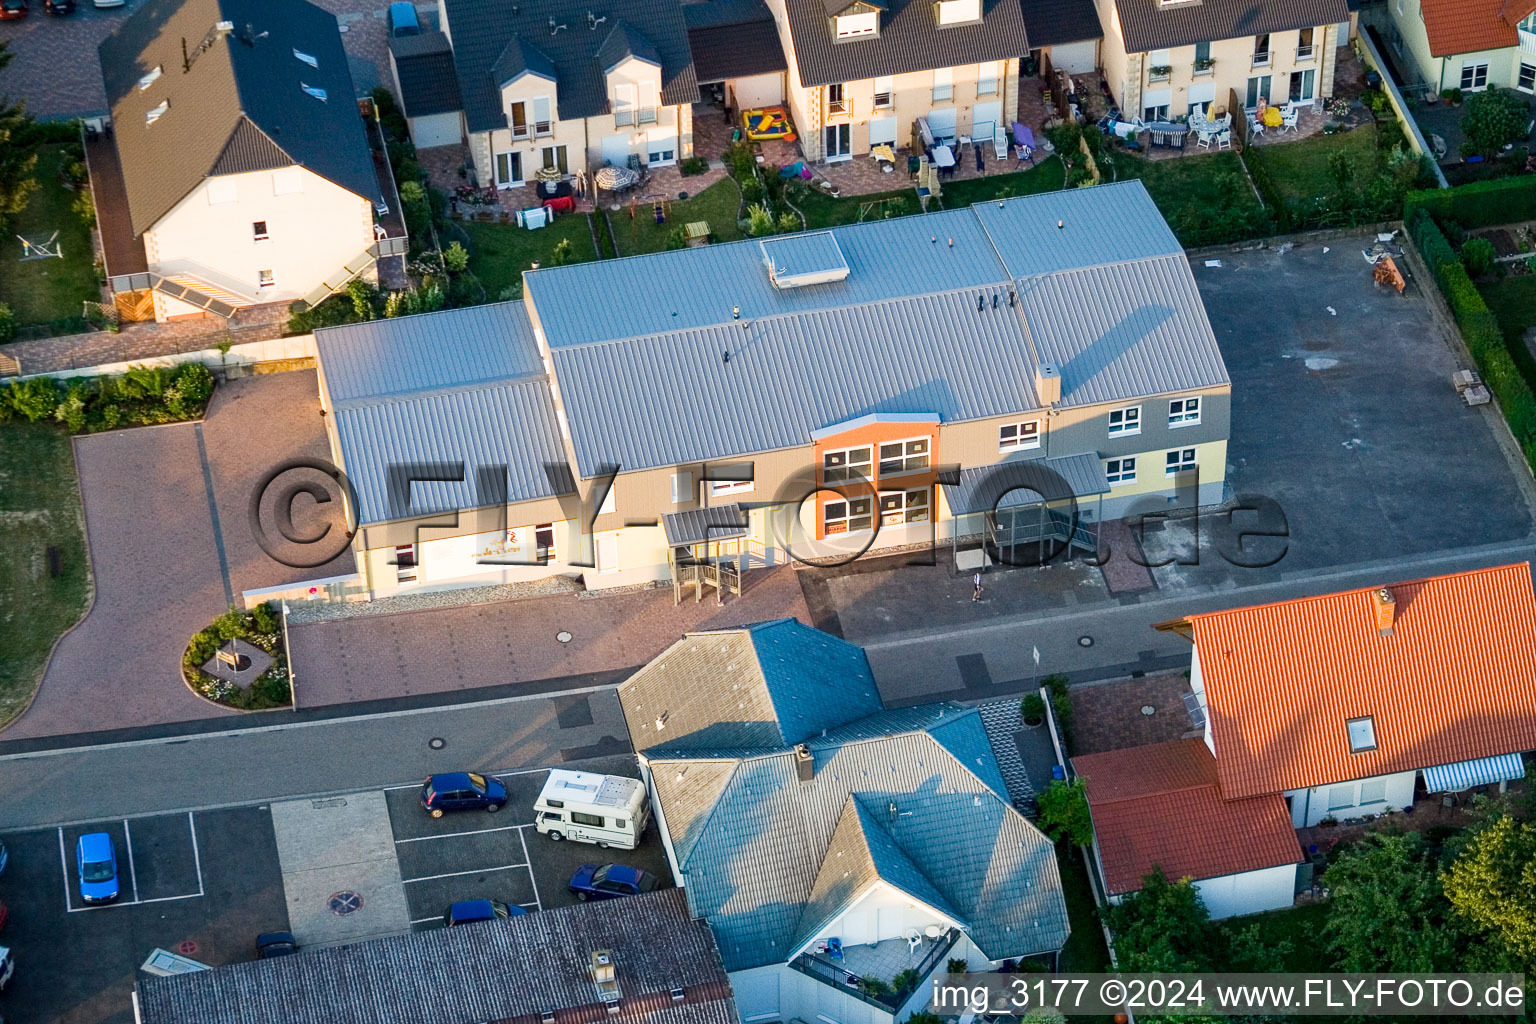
(1480, 772)
(910, 39)
(1152, 25)
(810, 252)
(1123, 330)
(510, 425)
(415, 354)
(1053, 22)
(789, 376)
(441, 977)
(1157, 807)
(239, 105)
(1455, 680)
(1079, 476)
(1114, 223)
(717, 522)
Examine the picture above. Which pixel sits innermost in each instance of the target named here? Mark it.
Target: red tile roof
(1158, 806)
(1455, 680)
(1466, 26)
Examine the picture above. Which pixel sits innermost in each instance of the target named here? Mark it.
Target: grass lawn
(823, 211)
(1192, 179)
(1300, 169)
(1085, 951)
(39, 509)
(717, 204)
(1045, 176)
(1301, 927)
(1513, 301)
(499, 253)
(42, 291)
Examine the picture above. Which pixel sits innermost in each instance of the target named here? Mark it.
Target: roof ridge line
(437, 391)
(701, 826)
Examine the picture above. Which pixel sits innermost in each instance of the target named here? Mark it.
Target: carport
(998, 522)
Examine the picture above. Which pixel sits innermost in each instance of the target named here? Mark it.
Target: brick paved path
(1109, 717)
(146, 340)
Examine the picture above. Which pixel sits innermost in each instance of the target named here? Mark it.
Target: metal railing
(1304, 53)
(1262, 60)
(832, 973)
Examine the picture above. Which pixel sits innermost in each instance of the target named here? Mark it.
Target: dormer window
(959, 12)
(858, 21)
(1362, 734)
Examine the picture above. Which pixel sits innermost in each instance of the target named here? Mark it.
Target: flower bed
(261, 627)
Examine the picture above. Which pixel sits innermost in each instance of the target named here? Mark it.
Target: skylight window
(153, 113)
(1362, 734)
(314, 91)
(149, 79)
(309, 59)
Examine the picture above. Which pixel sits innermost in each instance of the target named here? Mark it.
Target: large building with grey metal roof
(817, 832)
(1064, 373)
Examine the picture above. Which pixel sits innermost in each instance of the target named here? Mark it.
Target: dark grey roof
(1152, 25)
(717, 522)
(481, 30)
(910, 40)
(753, 838)
(718, 13)
(1053, 22)
(466, 385)
(625, 41)
(240, 107)
(765, 686)
(1008, 483)
(519, 56)
(424, 66)
(539, 963)
(735, 51)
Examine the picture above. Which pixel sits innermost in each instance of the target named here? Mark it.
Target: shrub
(71, 411)
(389, 113)
(752, 191)
(788, 222)
(677, 238)
(362, 295)
(906, 980)
(265, 618)
(84, 208)
(1477, 254)
(957, 965)
(7, 323)
(1064, 813)
(759, 220)
(456, 258)
(1032, 709)
(563, 253)
(35, 397)
(1494, 118)
(1479, 204)
(694, 165)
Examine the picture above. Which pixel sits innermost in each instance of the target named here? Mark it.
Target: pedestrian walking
(976, 594)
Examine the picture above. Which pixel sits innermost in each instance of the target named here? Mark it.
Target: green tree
(1478, 255)
(18, 159)
(1064, 813)
(1494, 117)
(1388, 911)
(1492, 884)
(362, 295)
(1163, 927)
(563, 253)
(456, 258)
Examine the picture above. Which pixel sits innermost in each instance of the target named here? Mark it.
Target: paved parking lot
(204, 884)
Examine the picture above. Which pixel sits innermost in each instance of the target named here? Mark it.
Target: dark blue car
(462, 791)
(610, 881)
(96, 864)
(469, 911)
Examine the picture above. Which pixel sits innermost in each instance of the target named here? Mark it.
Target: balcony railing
(1303, 54)
(1159, 75)
(837, 106)
(1261, 60)
(832, 973)
(1204, 72)
(1527, 42)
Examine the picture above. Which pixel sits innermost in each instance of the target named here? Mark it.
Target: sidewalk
(147, 340)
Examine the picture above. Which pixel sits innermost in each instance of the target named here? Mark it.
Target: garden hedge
(1480, 330)
(142, 396)
(1479, 204)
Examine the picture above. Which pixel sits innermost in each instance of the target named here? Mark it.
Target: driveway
(166, 520)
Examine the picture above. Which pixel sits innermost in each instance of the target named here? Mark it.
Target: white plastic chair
(1290, 120)
(1224, 139)
(1205, 137)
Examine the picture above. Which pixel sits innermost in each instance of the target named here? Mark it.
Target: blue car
(462, 791)
(610, 881)
(96, 862)
(469, 911)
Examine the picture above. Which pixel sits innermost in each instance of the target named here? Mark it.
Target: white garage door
(435, 130)
(942, 124)
(758, 91)
(985, 118)
(1075, 58)
(882, 129)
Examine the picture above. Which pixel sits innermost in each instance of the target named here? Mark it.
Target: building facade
(1462, 44)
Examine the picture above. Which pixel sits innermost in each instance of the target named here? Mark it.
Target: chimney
(1386, 611)
(805, 767)
(1047, 384)
(604, 976)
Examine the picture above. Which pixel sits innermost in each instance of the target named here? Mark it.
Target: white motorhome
(609, 810)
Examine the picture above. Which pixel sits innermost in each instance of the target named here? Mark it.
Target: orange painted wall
(874, 435)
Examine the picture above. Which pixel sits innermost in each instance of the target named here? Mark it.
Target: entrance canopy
(1451, 778)
(718, 522)
(1075, 476)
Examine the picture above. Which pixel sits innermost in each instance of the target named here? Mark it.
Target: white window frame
(950, 12)
(625, 104)
(1120, 471)
(987, 78)
(556, 157)
(407, 572)
(682, 487)
(514, 169)
(1157, 113)
(1179, 460)
(1373, 791)
(610, 500)
(1368, 740)
(899, 508)
(846, 511)
(1159, 59)
(852, 26)
(661, 152)
(837, 474)
(837, 99)
(542, 119)
(1341, 797)
(1129, 423)
(261, 231)
(1478, 77)
(943, 85)
(1521, 77)
(884, 93)
(915, 456)
(1184, 412)
(513, 109)
(266, 279)
(719, 488)
(1026, 435)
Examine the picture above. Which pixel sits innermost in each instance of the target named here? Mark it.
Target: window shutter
(541, 111)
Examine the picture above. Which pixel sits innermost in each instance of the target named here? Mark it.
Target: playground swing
(39, 248)
(661, 207)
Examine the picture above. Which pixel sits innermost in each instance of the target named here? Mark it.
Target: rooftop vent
(677, 995)
(1048, 383)
(1386, 610)
(805, 767)
(795, 261)
(547, 1017)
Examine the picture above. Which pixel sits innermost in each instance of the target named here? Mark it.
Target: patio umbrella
(548, 174)
(614, 179)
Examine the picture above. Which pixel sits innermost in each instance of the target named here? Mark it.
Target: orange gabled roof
(1466, 26)
(1158, 807)
(1455, 680)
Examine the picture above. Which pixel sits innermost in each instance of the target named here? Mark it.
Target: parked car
(275, 944)
(12, 10)
(59, 6)
(462, 791)
(403, 20)
(470, 911)
(610, 881)
(96, 863)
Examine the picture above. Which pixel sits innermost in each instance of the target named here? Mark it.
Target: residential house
(538, 967)
(1165, 58)
(736, 49)
(1464, 44)
(1336, 707)
(428, 87)
(796, 396)
(862, 72)
(236, 170)
(566, 86)
(1065, 33)
(841, 853)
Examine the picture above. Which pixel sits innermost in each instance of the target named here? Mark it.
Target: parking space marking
(456, 874)
(520, 771)
(424, 920)
(133, 876)
(197, 858)
(64, 864)
(472, 832)
(539, 900)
